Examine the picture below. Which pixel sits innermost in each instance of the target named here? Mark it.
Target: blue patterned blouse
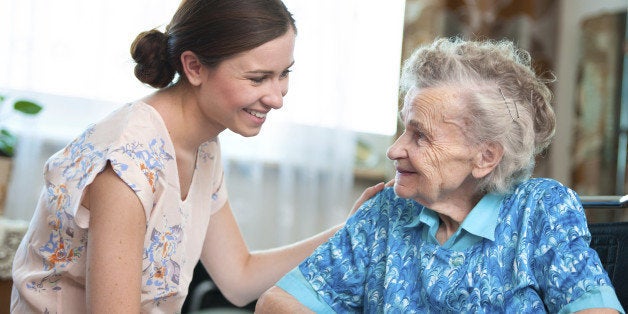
(526, 252)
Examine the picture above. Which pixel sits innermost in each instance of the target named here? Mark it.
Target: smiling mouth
(256, 114)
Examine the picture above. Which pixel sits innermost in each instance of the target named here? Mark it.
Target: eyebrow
(416, 125)
(266, 72)
(412, 123)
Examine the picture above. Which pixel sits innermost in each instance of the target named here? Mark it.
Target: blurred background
(315, 156)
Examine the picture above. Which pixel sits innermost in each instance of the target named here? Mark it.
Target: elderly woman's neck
(452, 215)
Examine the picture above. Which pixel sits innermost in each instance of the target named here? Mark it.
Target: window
(347, 55)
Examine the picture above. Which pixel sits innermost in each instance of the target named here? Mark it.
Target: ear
(192, 67)
(487, 159)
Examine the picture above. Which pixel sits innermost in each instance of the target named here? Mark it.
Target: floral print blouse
(526, 252)
(49, 266)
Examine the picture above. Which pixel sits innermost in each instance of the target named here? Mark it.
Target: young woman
(131, 205)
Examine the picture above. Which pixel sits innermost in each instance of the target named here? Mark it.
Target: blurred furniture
(11, 233)
(600, 105)
(605, 208)
(610, 240)
(605, 202)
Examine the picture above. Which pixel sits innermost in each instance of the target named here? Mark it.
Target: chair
(610, 241)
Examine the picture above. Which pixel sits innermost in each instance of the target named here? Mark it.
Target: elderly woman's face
(432, 157)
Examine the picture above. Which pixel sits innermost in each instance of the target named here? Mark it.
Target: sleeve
(569, 272)
(334, 276)
(72, 169)
(295, 284)
(141, 170)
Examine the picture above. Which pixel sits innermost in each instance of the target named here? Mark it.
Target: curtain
(292, 180)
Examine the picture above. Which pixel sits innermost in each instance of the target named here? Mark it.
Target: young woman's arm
(115, 240)
(241, 275)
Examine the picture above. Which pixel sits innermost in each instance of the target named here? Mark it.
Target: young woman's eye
(286, 73)
(257, 80)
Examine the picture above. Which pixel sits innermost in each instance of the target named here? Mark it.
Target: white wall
(572, 13)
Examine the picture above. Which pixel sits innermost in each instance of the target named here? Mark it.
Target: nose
(396, 150)
(273, 97)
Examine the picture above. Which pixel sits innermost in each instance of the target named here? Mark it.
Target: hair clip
(506, 103)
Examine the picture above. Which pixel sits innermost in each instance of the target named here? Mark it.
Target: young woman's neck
(179, 108)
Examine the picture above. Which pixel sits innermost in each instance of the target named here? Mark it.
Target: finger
(368, 193)
(371, 191)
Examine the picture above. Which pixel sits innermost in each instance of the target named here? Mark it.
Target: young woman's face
(432, 157)
(241, 91)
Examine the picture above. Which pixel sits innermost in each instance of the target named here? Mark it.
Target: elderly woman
(465, 228)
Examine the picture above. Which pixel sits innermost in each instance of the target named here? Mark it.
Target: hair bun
(150, 52)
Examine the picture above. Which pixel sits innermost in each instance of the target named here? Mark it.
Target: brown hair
(214, 30)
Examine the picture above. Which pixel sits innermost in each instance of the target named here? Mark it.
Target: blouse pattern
(540, 260)
(49, 267)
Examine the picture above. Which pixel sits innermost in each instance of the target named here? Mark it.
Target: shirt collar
(481, 221)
